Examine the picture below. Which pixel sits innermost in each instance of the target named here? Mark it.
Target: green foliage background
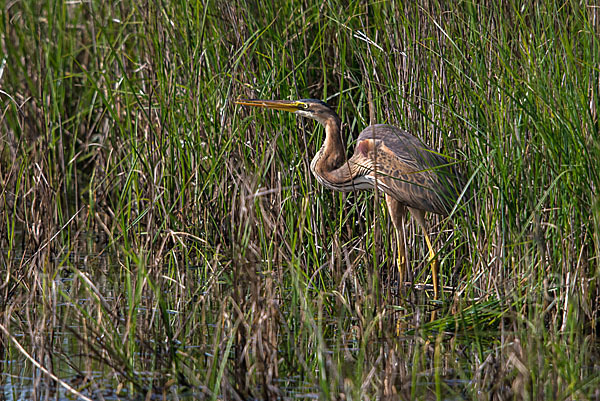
(125, 163)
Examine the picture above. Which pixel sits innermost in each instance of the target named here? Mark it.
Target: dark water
(48, 327)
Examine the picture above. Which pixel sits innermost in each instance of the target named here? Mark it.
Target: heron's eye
(304, 106)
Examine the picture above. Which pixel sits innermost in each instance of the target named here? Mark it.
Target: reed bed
(159, 241)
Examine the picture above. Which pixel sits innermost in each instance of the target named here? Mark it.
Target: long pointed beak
(285, 105)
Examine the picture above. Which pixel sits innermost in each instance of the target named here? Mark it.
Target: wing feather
(406, 169)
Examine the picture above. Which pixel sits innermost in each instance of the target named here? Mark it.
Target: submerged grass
(155, 233)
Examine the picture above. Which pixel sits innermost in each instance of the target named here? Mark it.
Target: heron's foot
(435, 268)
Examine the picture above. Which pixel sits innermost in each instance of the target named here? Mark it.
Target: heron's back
(407, 170)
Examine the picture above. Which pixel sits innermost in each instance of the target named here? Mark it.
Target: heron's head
(309, 108)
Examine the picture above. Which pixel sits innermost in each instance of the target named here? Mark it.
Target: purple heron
(412, 176)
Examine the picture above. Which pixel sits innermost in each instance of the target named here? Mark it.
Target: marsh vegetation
(158, 241)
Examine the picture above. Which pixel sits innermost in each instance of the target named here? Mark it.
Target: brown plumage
(409, 173)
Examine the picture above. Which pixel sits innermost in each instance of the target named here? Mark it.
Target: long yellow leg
(398, 215)
(419, 215)
(434, 266)
(401, 255)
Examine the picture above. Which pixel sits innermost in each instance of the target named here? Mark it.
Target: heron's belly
(358, 184)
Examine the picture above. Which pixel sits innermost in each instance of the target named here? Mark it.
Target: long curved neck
(329, 164)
